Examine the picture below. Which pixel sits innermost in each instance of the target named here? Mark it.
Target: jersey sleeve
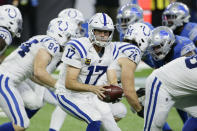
(52, 47)
(193, 34)
(71, 56)
(130, 51)
(5, 34)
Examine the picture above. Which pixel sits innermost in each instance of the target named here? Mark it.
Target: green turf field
(41, 121)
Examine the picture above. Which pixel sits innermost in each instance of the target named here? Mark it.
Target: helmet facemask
(128, 14)
(104, 40)
(101, 23)
(175, 15)
(161, 42)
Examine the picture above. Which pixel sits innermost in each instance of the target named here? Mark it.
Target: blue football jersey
(190, 31)
(181, 47)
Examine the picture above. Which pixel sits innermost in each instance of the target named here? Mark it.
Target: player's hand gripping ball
(114, 94)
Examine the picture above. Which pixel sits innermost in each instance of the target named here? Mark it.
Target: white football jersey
(130, 51)
(179, 76)
(6, 35)
(80, 53)
(19, 64)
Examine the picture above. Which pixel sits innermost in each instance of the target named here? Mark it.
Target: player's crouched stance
(30, 60)
(85, 61)
(173, 85)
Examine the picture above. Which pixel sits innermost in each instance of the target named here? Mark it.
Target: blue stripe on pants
(75, 107)
(154, 105)
(150, 101)
(8, 102)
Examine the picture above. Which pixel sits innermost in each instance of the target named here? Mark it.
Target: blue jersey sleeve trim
(81, 46)
(73, 44)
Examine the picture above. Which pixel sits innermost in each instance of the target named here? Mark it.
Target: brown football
(113, 94)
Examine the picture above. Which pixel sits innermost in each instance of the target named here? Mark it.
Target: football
(114, 93)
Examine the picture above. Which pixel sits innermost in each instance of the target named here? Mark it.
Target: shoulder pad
(81, 45)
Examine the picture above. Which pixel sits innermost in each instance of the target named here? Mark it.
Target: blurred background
(38, 13)
(36, 16)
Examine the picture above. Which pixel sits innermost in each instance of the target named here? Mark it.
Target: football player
(10, 26)
(58, 115)
(166, 47)
(85, 61)
(176, 16)
(172, 85)
(129, 14)
(136, 41)
(30, 60)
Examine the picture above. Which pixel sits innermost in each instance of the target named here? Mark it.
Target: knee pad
(119, 110)
(159, 121)
(31, 101)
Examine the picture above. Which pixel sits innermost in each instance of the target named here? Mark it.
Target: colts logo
(87, 61)
(72, 14)
(12, 13)
(146, 33)
(63, 27)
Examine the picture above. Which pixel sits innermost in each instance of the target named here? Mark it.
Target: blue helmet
(162, 40)
(128, 14)
(175, 15)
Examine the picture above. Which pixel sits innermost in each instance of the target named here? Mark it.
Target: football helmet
(11, 19)
(162, 40)
(128, 14)
(175, 15)
(102, 22)
(62, 30)
(139, 34)
(77, 16)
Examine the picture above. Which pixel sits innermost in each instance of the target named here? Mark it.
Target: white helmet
(175, 15)
(75, 15)
(61, 30)
(72, 13)
(162, 40)
(11, 19)
(100, 21)
(128, 14)
(140, 34)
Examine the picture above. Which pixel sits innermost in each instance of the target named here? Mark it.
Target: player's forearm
(133, 101)
(129, 89)
(45, 78)
(130, 94)
(75, 85)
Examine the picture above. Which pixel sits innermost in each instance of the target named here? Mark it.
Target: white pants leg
(12, 102)
(158, 103)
